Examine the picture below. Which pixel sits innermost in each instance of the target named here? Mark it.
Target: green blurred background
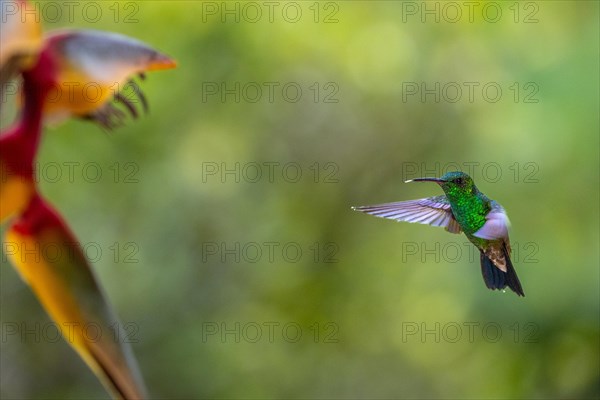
(368, 310)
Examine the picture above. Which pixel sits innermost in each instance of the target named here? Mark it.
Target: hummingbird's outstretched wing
(49, 259)
(433, 211)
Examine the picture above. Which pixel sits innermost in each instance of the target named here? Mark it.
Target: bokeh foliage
(373, 135)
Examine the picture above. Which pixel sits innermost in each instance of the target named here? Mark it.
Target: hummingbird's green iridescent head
(455, 184)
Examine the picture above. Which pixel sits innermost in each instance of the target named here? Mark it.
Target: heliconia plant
(66, 287)
(21, 36)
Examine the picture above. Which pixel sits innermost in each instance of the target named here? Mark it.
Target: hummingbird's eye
(459, 181)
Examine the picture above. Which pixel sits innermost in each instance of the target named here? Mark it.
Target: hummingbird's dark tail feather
(495, 278)
(492, 276)
(512, 280)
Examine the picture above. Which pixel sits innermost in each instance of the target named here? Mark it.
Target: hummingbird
(462, 208)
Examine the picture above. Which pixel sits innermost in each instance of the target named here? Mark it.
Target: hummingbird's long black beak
(436, 180)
